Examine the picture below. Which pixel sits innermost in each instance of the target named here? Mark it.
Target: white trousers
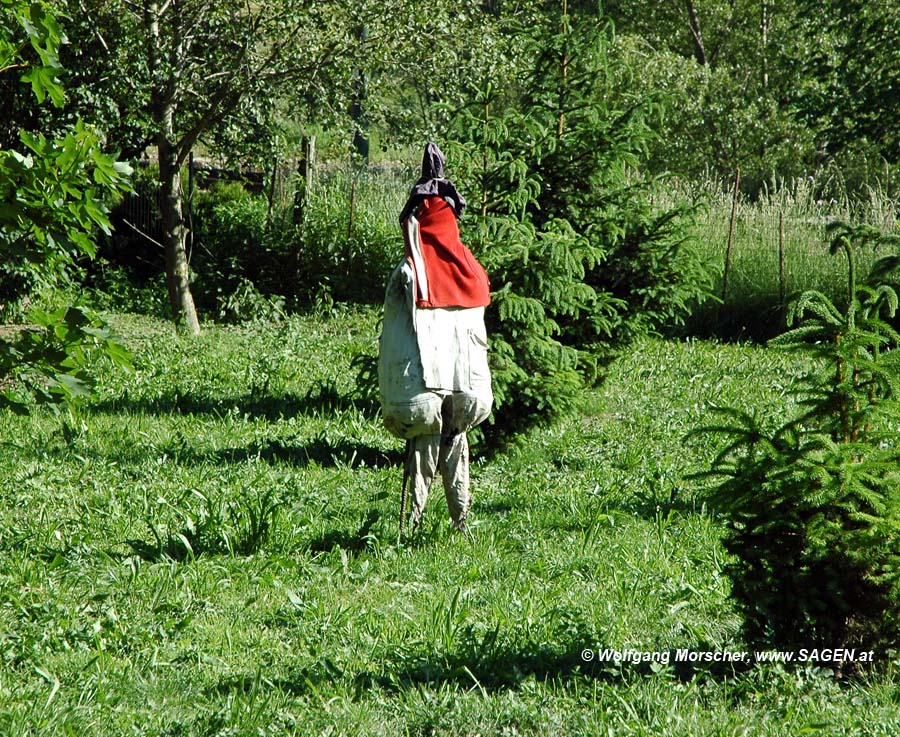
(436, 423)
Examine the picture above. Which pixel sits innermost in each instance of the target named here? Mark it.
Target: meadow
(779, 249)
(210, 547)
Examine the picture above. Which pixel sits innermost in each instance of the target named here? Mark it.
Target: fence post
(271, 193)
(781, 276)
(734, 198)
(305, 171)
(348, 255)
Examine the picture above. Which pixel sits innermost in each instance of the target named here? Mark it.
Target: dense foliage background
(701, 90)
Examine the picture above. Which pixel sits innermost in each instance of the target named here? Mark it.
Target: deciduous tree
(168, 74)
(52, 200)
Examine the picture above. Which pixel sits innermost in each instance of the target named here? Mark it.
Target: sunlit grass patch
(212, 549)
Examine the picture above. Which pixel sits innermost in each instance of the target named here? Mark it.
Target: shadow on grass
(508, 669)
(323, 398)
(498, 507)
(491, 670)
(749, 321)
(650, 507)
(197, 542)
(320, 451)
(354, 542)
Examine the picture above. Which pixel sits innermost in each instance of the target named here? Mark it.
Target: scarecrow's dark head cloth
(446, 272)
(433, 184)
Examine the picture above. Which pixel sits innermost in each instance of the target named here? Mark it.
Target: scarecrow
(432, 365)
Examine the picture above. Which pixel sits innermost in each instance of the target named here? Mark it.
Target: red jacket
(447, 274)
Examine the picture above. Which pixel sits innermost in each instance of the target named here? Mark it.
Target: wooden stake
(349, 249)
(781, 276)
(404, 494)
(734, 198)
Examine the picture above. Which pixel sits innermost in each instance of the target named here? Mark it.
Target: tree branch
(694, 23)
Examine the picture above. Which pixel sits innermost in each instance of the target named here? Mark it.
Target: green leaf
(72, 385)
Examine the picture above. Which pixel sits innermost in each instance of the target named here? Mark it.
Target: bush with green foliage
(233, 245)
(52, 362)
(350, 239)
(813, 506)
(54, 194)
(579, 257)
(248, 254)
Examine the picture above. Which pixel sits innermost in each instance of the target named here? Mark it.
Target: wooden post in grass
(349, 248)
(781, 278)
(270, 195)
(734, 198)
(305, 174)
(303, 193)
(404, 491)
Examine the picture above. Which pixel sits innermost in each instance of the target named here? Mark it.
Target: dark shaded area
(196, 542)
(750, 320)
(238, 528)
(353, 542)
(193, 542)
(501, 507)
(325, 449)
(65, 555)
(480, 662)
(322, 452)
(324, 397)
(647, 506)
(172, 548)
(507, 669)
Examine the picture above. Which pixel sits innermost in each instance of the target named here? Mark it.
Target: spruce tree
(579, 259)
(813, 507)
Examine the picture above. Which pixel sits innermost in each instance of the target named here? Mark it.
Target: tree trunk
(171, 196)
(564, 29)
(357, 112)
(174, 235)
(764, 44)
(696, 35)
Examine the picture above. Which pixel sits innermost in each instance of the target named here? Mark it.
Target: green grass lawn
(210, 548)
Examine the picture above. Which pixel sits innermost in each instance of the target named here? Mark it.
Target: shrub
(233, 245)
(351, 239)
(246, 304)
(579, 258)
(54, 361)
(813, 507)
(342, 251)
(55, 193)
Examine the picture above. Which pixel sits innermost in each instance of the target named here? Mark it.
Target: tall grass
(349, 239)
(779, 249)
(779, 244)
(350, 233)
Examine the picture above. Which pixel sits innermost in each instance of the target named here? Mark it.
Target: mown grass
(210, 548)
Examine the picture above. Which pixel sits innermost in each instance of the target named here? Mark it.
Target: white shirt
(435, 349)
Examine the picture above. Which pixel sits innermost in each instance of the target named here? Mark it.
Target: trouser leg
(454, 464)
(436, 427)
(454, 457)
(423, 466)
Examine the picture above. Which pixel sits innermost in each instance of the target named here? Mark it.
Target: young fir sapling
(813, 507)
